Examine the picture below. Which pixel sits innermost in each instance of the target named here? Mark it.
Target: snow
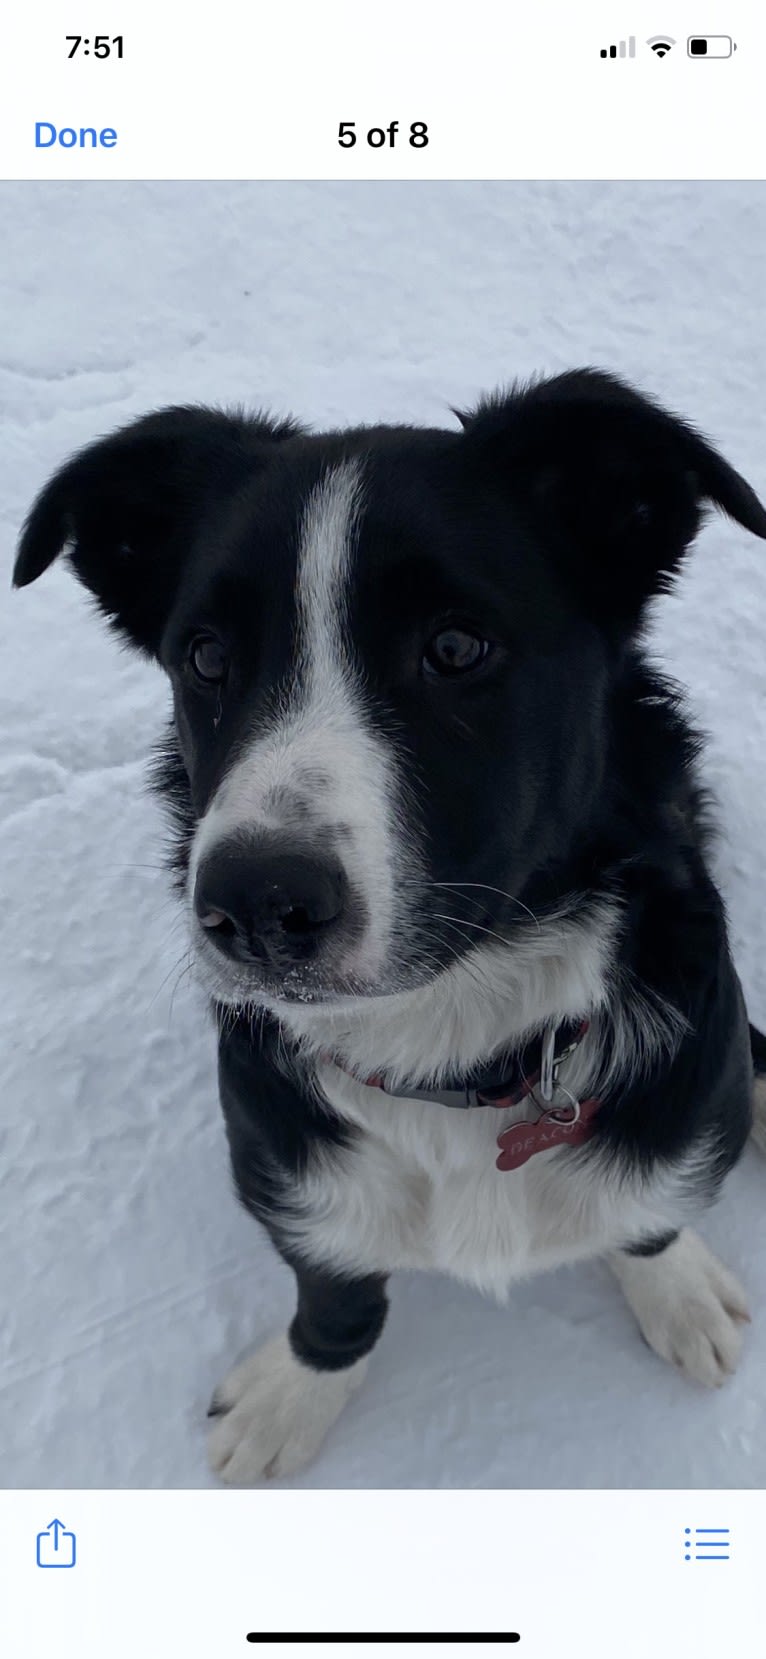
(131, 1280)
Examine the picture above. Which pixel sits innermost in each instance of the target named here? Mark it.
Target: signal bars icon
(623, 49)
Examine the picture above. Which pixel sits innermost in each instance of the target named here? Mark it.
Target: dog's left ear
(615, 483)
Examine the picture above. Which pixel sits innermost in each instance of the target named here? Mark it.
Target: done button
(83, 138)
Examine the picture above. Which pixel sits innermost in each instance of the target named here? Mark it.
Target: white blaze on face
(318, 772)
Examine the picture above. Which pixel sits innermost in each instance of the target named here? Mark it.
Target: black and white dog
(444, 848)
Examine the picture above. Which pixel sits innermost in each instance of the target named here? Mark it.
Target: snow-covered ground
(130, 1280)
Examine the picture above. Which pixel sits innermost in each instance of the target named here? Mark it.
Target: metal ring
(552, 1111)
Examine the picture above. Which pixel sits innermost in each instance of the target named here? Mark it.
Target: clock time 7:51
(101, 46)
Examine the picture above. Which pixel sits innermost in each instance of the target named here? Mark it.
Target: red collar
(535, 1068)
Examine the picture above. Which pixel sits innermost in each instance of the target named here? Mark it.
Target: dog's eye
(454, 651)
(208, 659)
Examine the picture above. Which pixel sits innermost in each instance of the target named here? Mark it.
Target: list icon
(706, 1543)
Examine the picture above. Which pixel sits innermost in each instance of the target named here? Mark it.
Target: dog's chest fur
(418, 1188)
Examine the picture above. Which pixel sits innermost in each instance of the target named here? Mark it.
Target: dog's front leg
(273, 1411)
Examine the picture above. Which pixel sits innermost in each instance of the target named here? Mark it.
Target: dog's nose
(274, 907)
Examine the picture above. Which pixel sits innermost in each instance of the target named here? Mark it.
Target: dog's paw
(272, 1414)
(689, 1307)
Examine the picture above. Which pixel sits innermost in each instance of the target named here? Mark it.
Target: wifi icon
(661, 44)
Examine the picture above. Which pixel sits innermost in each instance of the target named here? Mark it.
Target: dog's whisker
(182, 959)
(466, 922)
(182, 975)
(470, 968)
(490, 889)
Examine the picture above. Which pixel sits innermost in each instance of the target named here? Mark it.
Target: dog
(445, 851)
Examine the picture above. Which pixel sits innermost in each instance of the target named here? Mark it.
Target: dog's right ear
(127, 506)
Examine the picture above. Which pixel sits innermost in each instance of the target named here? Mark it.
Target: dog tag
(520, 1143)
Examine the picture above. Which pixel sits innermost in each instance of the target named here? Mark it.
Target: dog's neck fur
(490, 998)
(493, 999)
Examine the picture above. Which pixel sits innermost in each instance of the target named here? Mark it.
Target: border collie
(440, 832)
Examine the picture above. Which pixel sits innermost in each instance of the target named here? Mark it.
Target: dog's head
(392, 654)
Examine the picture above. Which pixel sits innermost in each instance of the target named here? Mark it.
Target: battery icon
(710, 46)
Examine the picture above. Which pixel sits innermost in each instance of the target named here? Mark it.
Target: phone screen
(382, 713)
